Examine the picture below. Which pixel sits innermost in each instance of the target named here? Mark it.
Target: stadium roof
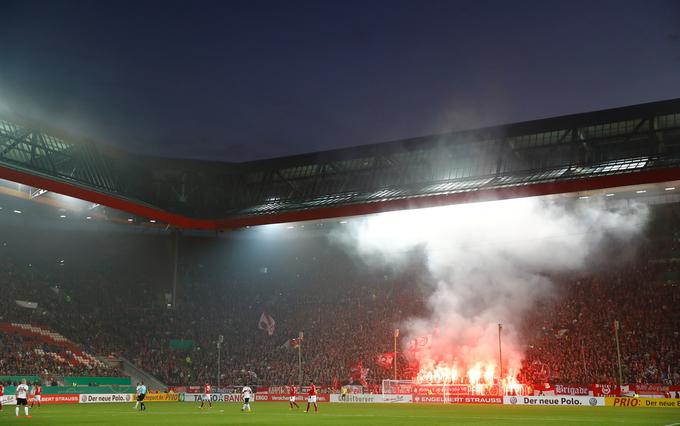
(632, 145)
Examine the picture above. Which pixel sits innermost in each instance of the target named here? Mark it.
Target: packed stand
(347, 315)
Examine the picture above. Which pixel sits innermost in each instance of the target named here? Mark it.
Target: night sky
(244, 80)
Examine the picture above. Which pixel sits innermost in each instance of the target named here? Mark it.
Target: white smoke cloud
(489, 263)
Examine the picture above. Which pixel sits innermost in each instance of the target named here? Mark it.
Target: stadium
(387, 212)
(461, 277)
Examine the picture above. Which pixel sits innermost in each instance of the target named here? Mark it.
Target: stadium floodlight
(500, 357)
(640, 191)
(17, 211)
(670, 188)
(130, 220)
(583, 197)
(152, 221)
(63, 216)
(220, 340)
(88, 217)
(343, 222)
(609, 195)
(36, 192)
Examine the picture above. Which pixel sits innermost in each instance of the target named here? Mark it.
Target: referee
(141, 394)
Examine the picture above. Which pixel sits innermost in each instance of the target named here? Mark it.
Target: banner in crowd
(460, 399)
(215, 397)
(27, 304)
(592, 401)
(651, 388)
(642, 402)
(181, 344)
(429, 390)
(572, 390)
(384, 360)
(266, 323)
(90, 398)
(369, 398)
(161, 397)
(654, 390)
(606, 390)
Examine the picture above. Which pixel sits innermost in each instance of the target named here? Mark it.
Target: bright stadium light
(343, 222)
(88, 217)
(63, 216)
(640, 191)
(130, 220)
(608, 195)
(584, 197)
(17, 211)
(670, 188)
(152, 221)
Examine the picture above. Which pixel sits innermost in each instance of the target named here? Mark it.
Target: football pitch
(167, 413)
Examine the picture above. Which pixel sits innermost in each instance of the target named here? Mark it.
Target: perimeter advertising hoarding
(369, 398)
(584, 401)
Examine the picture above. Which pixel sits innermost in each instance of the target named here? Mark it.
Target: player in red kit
(37, 392)
(207, 389)
(2, 393)
(293, 394)
(312, 397)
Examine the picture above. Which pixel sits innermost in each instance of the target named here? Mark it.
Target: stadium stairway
(139, 375)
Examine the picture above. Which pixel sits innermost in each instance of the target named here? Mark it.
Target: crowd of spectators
(347, 314)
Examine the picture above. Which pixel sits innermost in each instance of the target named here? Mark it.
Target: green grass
(166, 413)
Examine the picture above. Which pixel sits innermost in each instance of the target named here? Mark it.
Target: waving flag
(27, 304)
(266, 323)
(420, 343)
(359, 373)
(291, 343)
(384, 360)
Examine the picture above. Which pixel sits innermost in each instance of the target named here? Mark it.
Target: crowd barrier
(548, 400)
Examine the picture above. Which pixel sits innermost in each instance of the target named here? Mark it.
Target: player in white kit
(22, 397)
(247, 395)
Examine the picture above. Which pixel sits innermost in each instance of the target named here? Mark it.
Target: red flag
(359, 373)
(266, 323)
(291, 343)
(384, 360)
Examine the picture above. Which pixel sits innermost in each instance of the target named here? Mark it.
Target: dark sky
(236, 80)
